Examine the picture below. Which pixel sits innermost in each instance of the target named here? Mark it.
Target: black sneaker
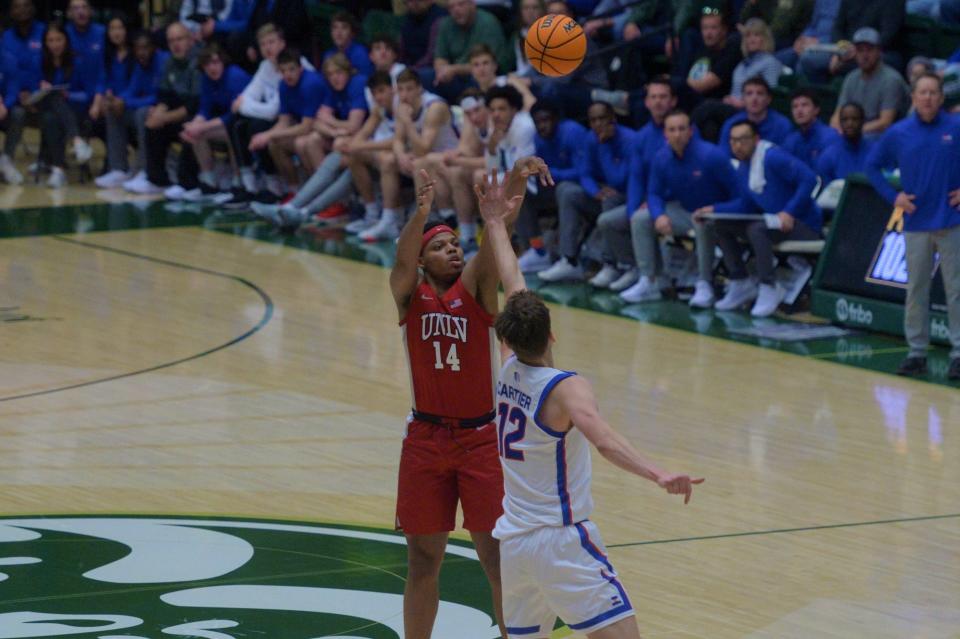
(953, 373)
(239, 199)
(913, 367)
(266, 196)
(207, 189)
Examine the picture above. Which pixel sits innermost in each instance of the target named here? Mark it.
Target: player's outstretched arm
(480, 275)
(405, 276)
(495, 208)
(575, 397)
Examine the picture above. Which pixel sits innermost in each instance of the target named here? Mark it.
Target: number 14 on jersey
(452, 360)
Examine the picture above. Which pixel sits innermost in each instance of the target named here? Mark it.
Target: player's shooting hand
(492, 198)
(532, 165)
(955, 198)
(905, 201)
(425, 192)
(679, 485)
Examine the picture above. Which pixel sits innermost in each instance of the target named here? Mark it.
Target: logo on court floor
(147, 578)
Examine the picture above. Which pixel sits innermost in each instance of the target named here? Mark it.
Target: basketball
(555, 45)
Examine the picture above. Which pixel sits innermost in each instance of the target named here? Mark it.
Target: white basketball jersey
(446, 137)
(546, 473)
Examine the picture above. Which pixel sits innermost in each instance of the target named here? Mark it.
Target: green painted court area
(871, 351)
(139, 577)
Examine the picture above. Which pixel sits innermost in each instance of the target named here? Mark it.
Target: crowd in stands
(667, 127)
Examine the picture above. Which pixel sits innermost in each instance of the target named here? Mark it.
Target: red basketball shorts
(440, 466)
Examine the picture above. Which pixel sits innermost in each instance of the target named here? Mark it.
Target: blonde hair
(758, 26)
(268, 29)
(338, 62)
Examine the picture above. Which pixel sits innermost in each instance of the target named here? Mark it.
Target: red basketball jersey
(450, 345)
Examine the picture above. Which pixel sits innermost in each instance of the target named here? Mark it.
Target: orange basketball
(555, 45)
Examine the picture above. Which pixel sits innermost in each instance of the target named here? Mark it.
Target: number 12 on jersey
(453, 360)
(512, 415)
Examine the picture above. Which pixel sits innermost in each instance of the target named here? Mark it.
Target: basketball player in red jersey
(450, 448)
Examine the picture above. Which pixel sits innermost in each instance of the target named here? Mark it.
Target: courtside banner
(862, 275)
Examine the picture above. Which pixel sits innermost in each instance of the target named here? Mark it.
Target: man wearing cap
(874, 85)
(449, 454)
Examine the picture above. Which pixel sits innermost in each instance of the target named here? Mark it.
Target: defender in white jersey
(552, 560)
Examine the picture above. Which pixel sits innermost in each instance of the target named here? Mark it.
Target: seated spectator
(118, 64)
(559, 142)
(511, 138)
(614, 225)
(178, 96)
(221, 84)
(687, 40)
(385, 56)
(846, 156)
(8, 101)
(941, 10)
(877, 87)
(483, 71)
(602, 187)
(128, 111)
(884, 17)
(342, 112)
(812, 136)
(758, 60)
(87, 38)
(423, 125)
(772, 126)
(23, 43)
(257, 108)
(465, 27)
(917, 66)
(530, 12)
(343, 31)
(67, 111)
(815, 39)
(288, 17)
(769, 180)
(301, 94)
(323, 194)
(710, 75)
(453, 169)
(224, 21)
(787, 18)
(685, 175)
(418, 33)
(626, 21)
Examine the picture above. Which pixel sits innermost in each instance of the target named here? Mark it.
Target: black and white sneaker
(265, 196)
(239, 199)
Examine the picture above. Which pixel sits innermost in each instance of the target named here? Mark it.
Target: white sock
(389, 216)
(447, 214)
(248, 179)
(372, 210)
(468, 231)
(208, 178)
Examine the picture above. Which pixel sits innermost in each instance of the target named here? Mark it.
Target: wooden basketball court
(190, 371)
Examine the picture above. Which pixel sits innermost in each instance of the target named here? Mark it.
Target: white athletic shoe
(381, 231)
(562, 270)
(534, 261)
(768, 299)
(359, 226)
(57, 179)
(137, 180)
(10, 172)
(702, 295)
(143, 187)
(269, 212)
(625, 281)
(605, 276)
(175, 192)
(739, 292)
(111, 180)
(646, 289)
(82, 150)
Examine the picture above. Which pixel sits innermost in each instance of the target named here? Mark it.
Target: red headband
(433, 232)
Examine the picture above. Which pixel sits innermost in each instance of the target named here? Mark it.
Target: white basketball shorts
(559, 571)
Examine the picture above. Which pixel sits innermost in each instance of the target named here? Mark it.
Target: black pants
(60, 121)
(158, 143)
(761, 240)
(534, 204)
(242, 130)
